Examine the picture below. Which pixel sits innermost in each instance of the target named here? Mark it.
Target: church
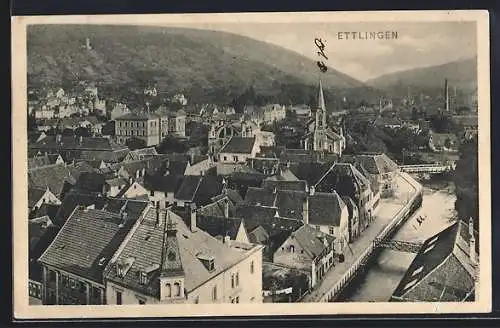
(319, 136)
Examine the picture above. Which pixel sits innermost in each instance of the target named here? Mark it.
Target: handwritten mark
(320, 44)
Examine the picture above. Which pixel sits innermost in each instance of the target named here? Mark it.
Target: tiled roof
(441, 271)
(299, 185)
(199, 189)
(34, 195)
(258, 235)
(260, 196)
(90, 182)
(255, 216)
(345, 179)
(149, 165)
(310, 172)
(88, 240)
(325, 209)
(145, 247)
(137, 116)
(56, 177)
(73, 143)
(46, 209)
(374, 163)
(311, 240)
(165, 183)
(228, 169)
(238, 145)
(38, 161)
(176, 167)
(116, 182)
(138, 154)
(217, 226)
(73, 199)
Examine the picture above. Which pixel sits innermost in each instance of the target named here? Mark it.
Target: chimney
(226, 208)
(193, 217)
(472, 243)
(446, 96)
(311, 190)
(305, 210)
(80, 140)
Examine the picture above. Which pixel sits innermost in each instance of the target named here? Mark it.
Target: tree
(134, 143)
(172, 145)
(466, 179)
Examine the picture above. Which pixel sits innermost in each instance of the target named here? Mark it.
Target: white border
(20, 226)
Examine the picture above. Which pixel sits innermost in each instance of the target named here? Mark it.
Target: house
(44, 160)
(298, 185)
(301, 110)
(44, 112)
(220, 227)
(164, 261)
(379, 169)
(140, 154)
(390, 122)
(41, 232)
(45, 210)
(162, 188)
(307, 250)
(57, 178)
(119, 110)
(443, 142)
(354, 224)
(199, 165)
(74, 263)
(199, 190)
(319, 136)
(223, 205)
(238, 150)
(145, 126)
(114, 186)
(346, 180)
(444, 270)
(83, 148)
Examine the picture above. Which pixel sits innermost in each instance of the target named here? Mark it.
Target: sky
(419, 44)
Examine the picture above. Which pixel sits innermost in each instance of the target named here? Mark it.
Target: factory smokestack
(446, 96)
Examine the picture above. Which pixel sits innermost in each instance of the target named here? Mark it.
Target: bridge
(398, 245)
(426, 168)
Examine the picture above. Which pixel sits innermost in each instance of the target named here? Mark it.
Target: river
(384, 274)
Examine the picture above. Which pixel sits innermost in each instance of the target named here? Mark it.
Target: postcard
(250, 164)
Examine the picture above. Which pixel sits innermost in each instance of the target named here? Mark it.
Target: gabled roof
(255, 216)
(310, 172)
(345, 179)
(34, 195)
(88, 240)
(199, 189)
(325, 209)
(258, 235)
(166, 183)
(373, 163)
(53, 176)
(146, 247)
(442, 269)
(299, 185)
(142, 153)
(239, 145)
(46, 209)
(217, 226)
(74, 199)
(71, 142)
(311, 240)
(260, 196)
(290, 203)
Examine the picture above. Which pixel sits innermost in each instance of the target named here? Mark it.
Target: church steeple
(321, 104)
(172, 272)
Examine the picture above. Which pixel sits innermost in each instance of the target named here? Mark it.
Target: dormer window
(207, 260)
(143, 277)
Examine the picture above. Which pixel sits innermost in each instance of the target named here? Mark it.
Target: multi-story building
(74, 263)
(144, 126)
(167, 262)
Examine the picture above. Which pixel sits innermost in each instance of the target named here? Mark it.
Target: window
(331, 230)
(152, 193)
(235, 158)
(118, 298)
(292, 249)
(214, 293)
(168, 290)
(177, 289)
(237, 279)
(142, 302)
(225, 158)
(252, 269)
